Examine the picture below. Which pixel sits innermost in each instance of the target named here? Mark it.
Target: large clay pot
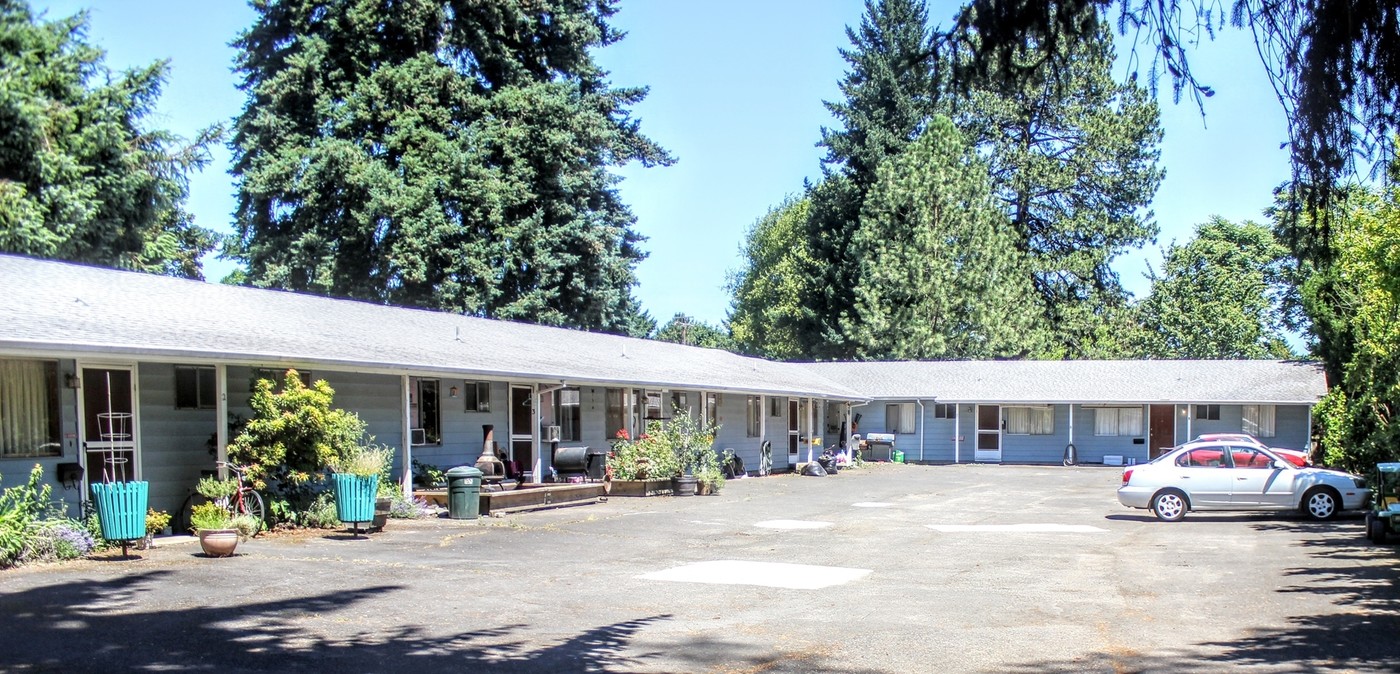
(218, 542)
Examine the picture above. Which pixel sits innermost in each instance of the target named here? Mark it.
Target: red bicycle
(244, 500)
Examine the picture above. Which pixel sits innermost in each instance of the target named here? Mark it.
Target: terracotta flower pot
(218, 542)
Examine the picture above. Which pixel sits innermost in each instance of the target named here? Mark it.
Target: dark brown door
(109, 425)
(1162, 429)
(522, 420)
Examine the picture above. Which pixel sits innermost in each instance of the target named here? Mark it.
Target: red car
(1293, 456)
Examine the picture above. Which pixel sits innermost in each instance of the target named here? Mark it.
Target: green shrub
(293, 434)
(210, 516)
(364, 461)
(321, 514)
(22, 509)
(215, 489)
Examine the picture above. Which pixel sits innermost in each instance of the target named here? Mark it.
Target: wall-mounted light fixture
(71, 380)
(452, 392)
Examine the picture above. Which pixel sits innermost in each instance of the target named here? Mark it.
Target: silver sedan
(1236, 476)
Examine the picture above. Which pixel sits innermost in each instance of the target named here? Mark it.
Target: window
(195, 388)
(680, 403)
(1118, 421)
(277, 377)
(712, 408)
(775, 407)
(755, 416)
(1208, 412)
(427, 417)
(1030, 420)
(944, 411)
(476, 396)
(653, 403)
(1249, 457)
(566, 413)
(29, 409)
(1258, 420)
(617, 412)
(1213, 457)
(899, 418)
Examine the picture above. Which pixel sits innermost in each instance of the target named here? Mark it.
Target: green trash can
(463, 493)
(897, 457)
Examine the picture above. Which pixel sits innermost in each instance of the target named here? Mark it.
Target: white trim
(221, 415)
(406, 440)
(83, 444)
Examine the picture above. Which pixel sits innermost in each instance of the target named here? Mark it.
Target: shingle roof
(67, 307)
(1086, 381)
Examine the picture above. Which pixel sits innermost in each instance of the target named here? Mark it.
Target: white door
(988, 433)
(108, 429)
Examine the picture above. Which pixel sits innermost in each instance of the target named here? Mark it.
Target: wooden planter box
(641, 487)
(542, 496)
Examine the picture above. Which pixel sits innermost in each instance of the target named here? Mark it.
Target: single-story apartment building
(116, 374)
(1030, 411)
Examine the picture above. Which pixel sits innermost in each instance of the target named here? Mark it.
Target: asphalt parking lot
(946, 568)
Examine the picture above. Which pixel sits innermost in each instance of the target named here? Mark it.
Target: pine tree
(886, 104)
(940, 276)
(83, 177)
(440, 154)
(1073, 159)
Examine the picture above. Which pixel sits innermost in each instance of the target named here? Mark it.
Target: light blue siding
(174, 442)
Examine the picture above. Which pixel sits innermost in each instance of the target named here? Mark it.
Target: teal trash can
(121, 509)
(463, 493)
(354, 497)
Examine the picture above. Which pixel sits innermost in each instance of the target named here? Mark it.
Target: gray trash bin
(463, 493)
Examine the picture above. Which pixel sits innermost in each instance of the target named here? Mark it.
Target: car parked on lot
(1293, 456)
(1224, 475)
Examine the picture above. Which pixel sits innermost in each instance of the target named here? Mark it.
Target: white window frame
(902, 421)
(1038, 419)
(22, 424)
(1260, 421)
(1118, 421)
(753, 425)
(203, 374)
(570, 426)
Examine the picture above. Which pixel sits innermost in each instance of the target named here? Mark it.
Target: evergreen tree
(83, 177)
(438, 153)
(683, 329)
(886, 104)
(767, 311)
(1218, 296)
(940, 276)
(1073, 157)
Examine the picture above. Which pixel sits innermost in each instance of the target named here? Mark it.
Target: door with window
(794, 430)
(988, 433)
(109, 425)
(522, 424)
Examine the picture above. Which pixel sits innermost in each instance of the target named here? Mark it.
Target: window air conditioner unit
(418, 436)
(551, 434)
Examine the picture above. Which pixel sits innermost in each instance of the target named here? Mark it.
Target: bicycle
(244, 501)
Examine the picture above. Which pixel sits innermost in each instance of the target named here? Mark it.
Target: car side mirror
(1280, 464)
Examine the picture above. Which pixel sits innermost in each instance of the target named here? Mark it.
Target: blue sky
(736, 95)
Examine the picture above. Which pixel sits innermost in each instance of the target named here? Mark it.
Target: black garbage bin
(597, 463)
(463, 493)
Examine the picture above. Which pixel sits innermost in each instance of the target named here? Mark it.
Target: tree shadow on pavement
(101, 625)
(1359, 631)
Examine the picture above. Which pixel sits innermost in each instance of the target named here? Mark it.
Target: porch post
(537, 418)
(1071, 423)
(1190, 413)
(762, 418)
(957, 433)
(221, 417)
(811, 426)
(407, 435)
(847, 423)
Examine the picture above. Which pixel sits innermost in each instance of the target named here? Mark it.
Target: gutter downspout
(920, 403)
(957, 433)
(407, 429)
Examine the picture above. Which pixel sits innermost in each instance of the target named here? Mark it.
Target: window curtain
(1130, 421)
(906, 418)
(1106, 421)
(26, 421)
(1030, 420)
(1258, 420)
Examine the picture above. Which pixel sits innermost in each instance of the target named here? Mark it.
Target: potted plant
(218, 529)
(690, 442)
(356, 474)
(708, 473)
(642, 466)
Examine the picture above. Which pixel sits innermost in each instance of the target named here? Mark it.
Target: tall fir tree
(886, 103)
(1073, 159)
(83, 174)
(440, 153)
(940, 276)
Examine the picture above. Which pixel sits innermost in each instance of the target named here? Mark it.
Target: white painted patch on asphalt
(1017, 528)
(792, 524)
(762, 574)
(872, 504)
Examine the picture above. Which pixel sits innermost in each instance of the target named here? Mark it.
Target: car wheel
(1170, 505)
(1321, 504)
